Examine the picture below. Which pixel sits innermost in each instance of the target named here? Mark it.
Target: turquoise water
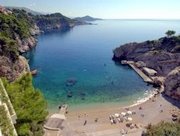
(84, 54)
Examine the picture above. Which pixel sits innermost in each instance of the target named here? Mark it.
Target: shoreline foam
(153, 111)
(150, 94)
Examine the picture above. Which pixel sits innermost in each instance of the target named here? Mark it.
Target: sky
(106, 9)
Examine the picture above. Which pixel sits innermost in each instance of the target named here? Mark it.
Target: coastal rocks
(71, 81)
(56, 21)
(35, 30)
(26, 44)
(69, 94)
(172, 84)
(12, 70)
(161, 57)
(22, 34)
(123, 51)
(52, 22)
(34, 72)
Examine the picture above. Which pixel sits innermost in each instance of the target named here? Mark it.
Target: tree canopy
(163, 129)
(170, 33)
(12, 26)
(29, 104)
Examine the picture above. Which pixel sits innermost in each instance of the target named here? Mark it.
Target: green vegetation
(16, 23)
(9, 47)
(163, 129)
(170, 33)
(5, 124)
(13, 26)
(4, 99)
(51, 21)
(29, 104)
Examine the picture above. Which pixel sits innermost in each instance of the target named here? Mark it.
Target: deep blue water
(84, 53)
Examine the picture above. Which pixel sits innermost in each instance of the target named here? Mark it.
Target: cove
(75, 66)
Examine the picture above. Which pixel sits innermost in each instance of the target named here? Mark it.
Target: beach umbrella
(116, 115)
(129, 112)
(129, 119)
(123, 113)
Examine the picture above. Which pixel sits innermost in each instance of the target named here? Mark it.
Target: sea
(75, 66)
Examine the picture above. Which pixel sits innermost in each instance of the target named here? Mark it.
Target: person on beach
(85, 122)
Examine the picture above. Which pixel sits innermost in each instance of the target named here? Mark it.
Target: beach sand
(154, 110)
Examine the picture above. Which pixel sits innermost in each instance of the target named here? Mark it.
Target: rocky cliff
(55, 21)
(52, 21)
(17, 35)
(18, 31)
(162, 55)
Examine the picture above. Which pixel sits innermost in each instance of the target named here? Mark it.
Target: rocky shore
(158, 59)
(15, 38)
(21, 36)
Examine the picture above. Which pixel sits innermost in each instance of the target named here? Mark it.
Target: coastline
(149, 93)
(140, 101)
(150, 109)
(129, 101)
(153, 111)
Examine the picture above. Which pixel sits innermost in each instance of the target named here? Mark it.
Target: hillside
(87, 18)
(17, 33)
(25, 9)
(162, 55)
(53, 21)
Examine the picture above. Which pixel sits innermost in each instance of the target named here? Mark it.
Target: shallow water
(84, 54)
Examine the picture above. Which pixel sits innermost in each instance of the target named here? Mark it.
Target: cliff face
(172, 83)
(52, 21)
(55, 21)
(17, 35)
(13, 69)
(18, 31)
(162, 55)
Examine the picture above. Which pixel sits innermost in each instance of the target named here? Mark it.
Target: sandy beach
(95, 121)
(101, 120)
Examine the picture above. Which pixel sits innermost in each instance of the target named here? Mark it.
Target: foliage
(4, 99)
(5, 124)
(29, 105)
(8, 47)
(52, 21)
(12, 24)
(170, 33)
(163, 129)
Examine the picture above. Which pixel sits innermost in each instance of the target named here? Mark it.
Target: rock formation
(12, 70)
(17, 36)
(18, 31)
(172, 83)
(55, 21)
(162, 55)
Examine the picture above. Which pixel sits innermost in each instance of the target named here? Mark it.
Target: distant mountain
(27, 10)
(53, 21)
(87, 18)
(47, 22)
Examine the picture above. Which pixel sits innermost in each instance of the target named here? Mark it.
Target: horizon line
(45, 13)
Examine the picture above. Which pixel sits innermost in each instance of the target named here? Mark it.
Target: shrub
(29, 104)
(5, 124)
(170, 33)
(163, 129)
